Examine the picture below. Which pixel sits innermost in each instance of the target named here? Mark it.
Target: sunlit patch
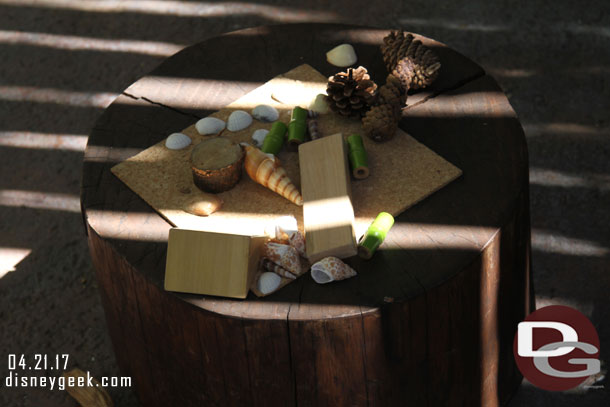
(512, 72)
(550, 242)
(102, 154)
(288, 92)
(113, 225)
(47, 141)
(565, 128)
(452, 24)
(183, 8)
(472, 104)
(10, 257)
(50, 95)
(74, 43)
(546, 177)
(39, 200)
(586, 307)
(425, 236)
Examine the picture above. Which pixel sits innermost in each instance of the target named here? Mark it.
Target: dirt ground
(62, 62)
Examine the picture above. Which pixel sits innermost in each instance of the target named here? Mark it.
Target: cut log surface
(428, 321)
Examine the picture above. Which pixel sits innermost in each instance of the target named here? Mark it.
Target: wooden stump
(429, 320)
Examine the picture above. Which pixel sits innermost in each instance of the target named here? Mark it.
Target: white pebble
(265, 113)
(177, 141)
(239, 120)
(259, 136)
(209, 125)
(268, 282)
(342, 55)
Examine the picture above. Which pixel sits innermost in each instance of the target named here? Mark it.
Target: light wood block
(211, 263)
(328, 214)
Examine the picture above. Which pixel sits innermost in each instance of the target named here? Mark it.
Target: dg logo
(556, 348)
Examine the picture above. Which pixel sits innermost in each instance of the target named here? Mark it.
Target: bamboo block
(211, 263)
(328, 215)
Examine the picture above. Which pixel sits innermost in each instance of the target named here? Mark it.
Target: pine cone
(381, 122)
(422, 66)
(351, 93)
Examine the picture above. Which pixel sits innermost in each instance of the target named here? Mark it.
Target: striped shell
(268, 265)
(267, 171)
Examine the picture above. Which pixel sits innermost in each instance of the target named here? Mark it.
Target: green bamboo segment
(357, 157)
(297, 126)
(375, 235)
(275, 138)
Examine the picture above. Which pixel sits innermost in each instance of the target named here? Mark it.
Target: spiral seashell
(284, 256)
(331, 269)
(259, 136)
(209, 125)
(266, 170)
(268, 265)
(268, 282)
(265, 113)
(238, 120)
(177, 141)
(297, 240)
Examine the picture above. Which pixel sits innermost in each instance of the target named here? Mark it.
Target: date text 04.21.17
(38, 362)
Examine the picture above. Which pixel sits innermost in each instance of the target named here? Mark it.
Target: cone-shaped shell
(297, 240)
(268, 265)
(331, 269)
(284, 256)
(267, 171)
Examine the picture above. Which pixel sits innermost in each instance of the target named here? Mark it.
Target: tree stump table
(430, 320)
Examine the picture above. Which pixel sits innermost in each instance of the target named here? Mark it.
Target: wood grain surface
(328, 213)
(429, 320)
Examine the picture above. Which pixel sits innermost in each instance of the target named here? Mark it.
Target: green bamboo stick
(375, 235)
(275, 138)
(297, 126)
(357, 157)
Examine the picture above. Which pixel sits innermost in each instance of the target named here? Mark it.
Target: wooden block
(211, 263)
(328, 215)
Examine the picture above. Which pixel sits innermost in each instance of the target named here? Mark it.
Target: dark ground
(62, 62)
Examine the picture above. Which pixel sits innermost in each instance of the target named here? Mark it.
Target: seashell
(259, 136)
(209, 125)
(312, 128)
(203, 204)
(342, 55)
(268, 265)
(318, 105)
(285, 227)
(268, 282)
(267, 171)
(239, 120)
(331, 269)
(284, 256)
(297, 240)
(177, 141)
(265, 113)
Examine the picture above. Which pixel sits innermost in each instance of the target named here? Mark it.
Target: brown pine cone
(423, 66)
(380, 123)
(351, 93)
